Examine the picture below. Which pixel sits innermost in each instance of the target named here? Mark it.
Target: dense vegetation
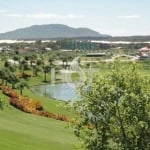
(114, 111)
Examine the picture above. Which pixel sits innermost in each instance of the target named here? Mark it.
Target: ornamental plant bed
(29, 105)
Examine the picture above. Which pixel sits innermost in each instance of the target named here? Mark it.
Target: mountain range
(49, 31)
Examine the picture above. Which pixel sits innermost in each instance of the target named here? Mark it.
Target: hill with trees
(49, 31)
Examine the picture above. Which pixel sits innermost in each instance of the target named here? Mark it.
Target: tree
(36, 69)
(16, 59)
(65, 58)
(1, 104)
(114, 111)
(40, 62)
(46, 69)
(23, 66)
(12, 79)
(9, 66)
(4, 75)
(22, 85)
(1, 76)
(51, 60)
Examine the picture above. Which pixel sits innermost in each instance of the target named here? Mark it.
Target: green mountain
(49, 31)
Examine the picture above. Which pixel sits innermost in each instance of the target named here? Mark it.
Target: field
(23, 131)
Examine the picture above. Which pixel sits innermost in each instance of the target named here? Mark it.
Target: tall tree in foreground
(114, 112)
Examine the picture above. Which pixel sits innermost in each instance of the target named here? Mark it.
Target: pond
(64, 91)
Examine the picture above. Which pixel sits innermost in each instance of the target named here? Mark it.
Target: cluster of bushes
(26, 105)
(23, 103)
(29, 105)
(52, 115)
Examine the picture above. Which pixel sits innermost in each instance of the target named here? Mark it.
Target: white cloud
(44, 16)
(130, 17)
(14, 15)
(52, 16)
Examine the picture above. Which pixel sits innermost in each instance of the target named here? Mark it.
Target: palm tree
(22, 85)
(50, 60)
(39, 62)
(23, 66)
(64, 61)
(46, 69)
(5, 75)
(9, 66)
(57, 71)
(12, 79)
(36, 69)
(1, 104)
(15, 58)
(2, 75)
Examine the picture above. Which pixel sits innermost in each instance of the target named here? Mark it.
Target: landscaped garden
(22, 124)
(33, 121)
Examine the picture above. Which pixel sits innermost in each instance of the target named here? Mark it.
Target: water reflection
(64, 91)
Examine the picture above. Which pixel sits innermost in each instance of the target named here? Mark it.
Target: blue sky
(114, 17)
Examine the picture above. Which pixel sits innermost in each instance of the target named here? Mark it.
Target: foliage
(29, 105)
(1, 104)
(22, 85)
(46, 69)
(114, 111)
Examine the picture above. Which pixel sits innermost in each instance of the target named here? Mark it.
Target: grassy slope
(49, 104)
(23, 131)
(27, 132)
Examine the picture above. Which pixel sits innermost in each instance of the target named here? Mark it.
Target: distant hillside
(49, 31)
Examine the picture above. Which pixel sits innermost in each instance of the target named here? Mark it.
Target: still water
(64, 91)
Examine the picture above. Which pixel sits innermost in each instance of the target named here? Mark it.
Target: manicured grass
(49, 104)
(22, 131)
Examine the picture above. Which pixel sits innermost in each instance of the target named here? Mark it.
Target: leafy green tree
(114, 113)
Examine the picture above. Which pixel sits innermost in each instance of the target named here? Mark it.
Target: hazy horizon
(113, 17)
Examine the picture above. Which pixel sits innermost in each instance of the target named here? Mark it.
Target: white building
(145, 52)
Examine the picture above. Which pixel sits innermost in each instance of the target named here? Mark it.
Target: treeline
(88, 45)
(81, 45)
(72, 44)
(137, 38)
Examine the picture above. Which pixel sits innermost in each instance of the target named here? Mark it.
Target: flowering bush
(29, 105)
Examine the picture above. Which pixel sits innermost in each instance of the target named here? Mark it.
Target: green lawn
(21, 131)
